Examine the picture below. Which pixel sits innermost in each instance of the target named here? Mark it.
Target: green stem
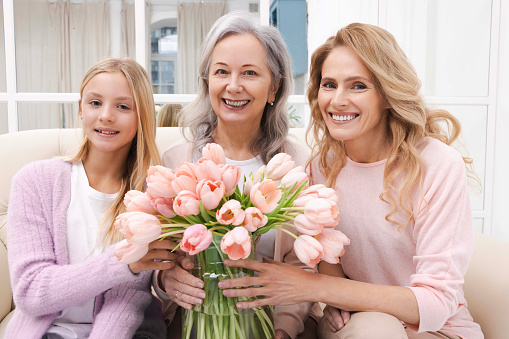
(286, 231)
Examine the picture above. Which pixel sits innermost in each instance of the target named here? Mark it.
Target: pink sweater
(430, 255)
(42, 280)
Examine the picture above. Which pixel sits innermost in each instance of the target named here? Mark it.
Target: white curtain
(194, 22)
(55, 45)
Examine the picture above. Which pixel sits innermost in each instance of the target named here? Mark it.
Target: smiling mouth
(238, 103)
(106, 132)
(343, 117)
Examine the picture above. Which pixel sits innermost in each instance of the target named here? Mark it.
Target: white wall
(500, 226)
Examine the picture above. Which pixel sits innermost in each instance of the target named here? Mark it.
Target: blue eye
(250, 73)
(328, 85)
(123, 107)
(221, 71)
(359, 86)
(95, 103)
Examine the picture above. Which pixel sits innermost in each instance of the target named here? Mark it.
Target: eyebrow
(352, 78)
(224, 64)
(95, 94)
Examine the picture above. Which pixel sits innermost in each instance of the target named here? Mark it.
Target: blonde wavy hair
(143, 152)
(409, 119)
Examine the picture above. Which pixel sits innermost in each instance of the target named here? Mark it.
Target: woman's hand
(181, 286)
(278, 283)
(336, 318)
(281, 334)
(158, 257)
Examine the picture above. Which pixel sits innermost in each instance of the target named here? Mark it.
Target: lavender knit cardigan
(42, 280)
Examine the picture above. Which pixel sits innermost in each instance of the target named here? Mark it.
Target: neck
(368, 152)
(105, 171)
(236, 141)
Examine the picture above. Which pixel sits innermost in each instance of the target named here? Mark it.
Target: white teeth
(236, 103)
(343, 117)
(106, 132)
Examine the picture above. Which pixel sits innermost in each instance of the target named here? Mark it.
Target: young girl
(403, 200)
(64, 284)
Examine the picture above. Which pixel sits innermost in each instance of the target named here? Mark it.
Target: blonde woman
(61, 217)
(403, 200)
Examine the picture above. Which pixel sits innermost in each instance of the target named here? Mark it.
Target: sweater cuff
(161, 294)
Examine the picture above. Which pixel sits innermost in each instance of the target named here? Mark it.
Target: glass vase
(218, 317)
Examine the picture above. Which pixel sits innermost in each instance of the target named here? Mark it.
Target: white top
(84, 215)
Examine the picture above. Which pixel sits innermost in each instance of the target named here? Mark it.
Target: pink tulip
(164, 206)
(333, 243)
(321, 210)
(308, 250)
(320, 191)
(236, 243)
(214, 152)
(254, 219)
(159, 180)
(136, 201)
(302, 200)
(230, 175)
(295, 176)
(252, 180)
(186, 203)
(128, 253)
(231, 213)
(332, 224)
(185, 178)
(207, 169)
(138, 227)
(210, 193)
(279, 165)
(306, 226)
(196, 238)
(265, 195)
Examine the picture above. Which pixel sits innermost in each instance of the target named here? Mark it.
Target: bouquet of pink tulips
(205, 204)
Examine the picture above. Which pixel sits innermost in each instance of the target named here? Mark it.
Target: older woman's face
(240, 81)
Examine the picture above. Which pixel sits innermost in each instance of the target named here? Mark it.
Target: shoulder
(299, 153)
(49, 168)
(439, 157)
(177, 153)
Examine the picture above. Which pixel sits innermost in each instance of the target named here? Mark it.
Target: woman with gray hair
(245, 80)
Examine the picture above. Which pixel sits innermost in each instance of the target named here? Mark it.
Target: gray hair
(199, 116)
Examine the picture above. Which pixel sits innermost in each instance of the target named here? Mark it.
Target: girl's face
(110, 120)
(352, 108)
(240, 81)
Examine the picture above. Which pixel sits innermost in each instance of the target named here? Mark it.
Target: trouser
(375, 325)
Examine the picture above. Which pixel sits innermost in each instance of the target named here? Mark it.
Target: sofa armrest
(486, 284)
(5, 284)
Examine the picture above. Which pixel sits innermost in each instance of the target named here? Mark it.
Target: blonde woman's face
(240, 81)
(109, 117)
(352, 108)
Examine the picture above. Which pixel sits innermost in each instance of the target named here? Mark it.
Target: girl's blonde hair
(143, 152)
(409, 119)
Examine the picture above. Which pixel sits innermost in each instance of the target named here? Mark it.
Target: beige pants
(375, 325)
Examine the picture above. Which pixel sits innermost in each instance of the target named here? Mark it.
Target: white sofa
(486, 284)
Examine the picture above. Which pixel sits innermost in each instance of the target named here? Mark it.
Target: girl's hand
(279, 283)
(158, 257)
(181, 286)
(336, 318)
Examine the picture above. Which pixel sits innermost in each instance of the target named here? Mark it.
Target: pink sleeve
(40, 284)
(444, 239)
